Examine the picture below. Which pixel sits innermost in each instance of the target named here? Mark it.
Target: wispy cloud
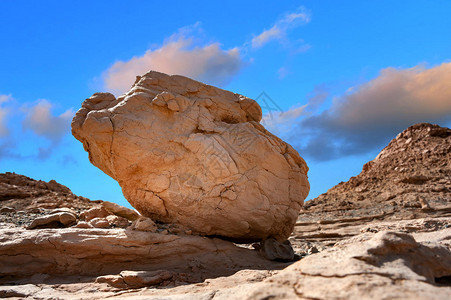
(284, 122)
(279, 30)
(369, 115)
(3, 114)
(36, 117)
(40, 120)
(280, 122)
(181, 54)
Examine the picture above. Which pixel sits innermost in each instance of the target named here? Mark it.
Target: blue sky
(344, 77)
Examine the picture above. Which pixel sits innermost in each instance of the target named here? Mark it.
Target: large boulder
(189, 153)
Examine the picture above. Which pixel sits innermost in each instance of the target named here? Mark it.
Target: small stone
(95, 212)
(274, 250)
(144, 224)
(83, 224)
(117, 221)
(6, 209)
(172, 105)
(56, 220)
(138, 279)
(112, 280)
(100, 223)
(120, 211)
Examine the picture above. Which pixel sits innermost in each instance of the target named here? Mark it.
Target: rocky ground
(384, 234)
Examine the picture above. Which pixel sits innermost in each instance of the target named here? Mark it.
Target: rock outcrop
(96, 252)
(189, 153)
(36, 204)
(410, 179)
(413, 171)
(378, 264)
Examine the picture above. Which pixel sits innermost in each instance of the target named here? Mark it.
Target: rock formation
(96, 252)
(413, 171)
(189, 153)
(409, 179)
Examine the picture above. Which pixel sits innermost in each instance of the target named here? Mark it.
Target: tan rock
(95, 212)
(144, 224)
(99, 223)
(61, 219)
(274, 250)
(7, 209)
(386, 265)
(138, 279)
(117, 221)
(113, 280)
(120, 211)
(189, 153)
(83, 224)
(98, 252)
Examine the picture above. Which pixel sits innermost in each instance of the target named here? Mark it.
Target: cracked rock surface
(188, 153)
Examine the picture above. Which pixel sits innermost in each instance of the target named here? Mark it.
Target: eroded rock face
(189, 153)
(93, 252)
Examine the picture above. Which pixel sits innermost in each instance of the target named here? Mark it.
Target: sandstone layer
(378, 264)
(92, 252)
(189, 153)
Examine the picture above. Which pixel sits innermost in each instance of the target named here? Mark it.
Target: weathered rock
(274, 250)
(358, 259)
(83, 224)
(412, 171)
(95, 212)
(99, 223)
(55, 220)
(383, 265)
(120, 211)
(144, 224)
(386, 265)
(7, 209)
(117, 221)
(95, 252)
(189, 153)
(135, 279)
(113, 280)
(33, 196)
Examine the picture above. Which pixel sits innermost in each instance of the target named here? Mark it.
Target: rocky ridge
(412, 171)
(410, 179)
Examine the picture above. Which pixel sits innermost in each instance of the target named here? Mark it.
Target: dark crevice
(443, 280)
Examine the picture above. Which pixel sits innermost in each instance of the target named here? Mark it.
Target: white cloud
(178, 55)
(369, 115)
(40, 120)
(279, 29)
(279, 122)
(5, 98)
(3, 114)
